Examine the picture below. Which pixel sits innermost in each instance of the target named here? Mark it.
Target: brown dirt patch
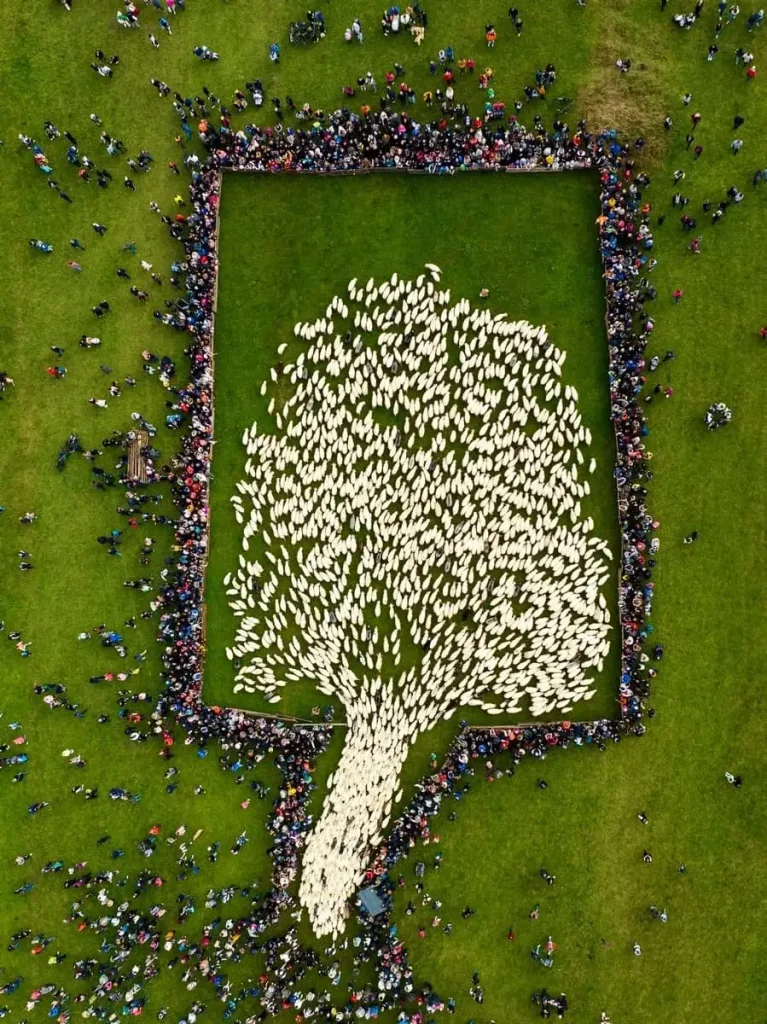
(633, 102)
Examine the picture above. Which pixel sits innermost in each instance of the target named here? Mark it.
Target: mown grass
(710, 609)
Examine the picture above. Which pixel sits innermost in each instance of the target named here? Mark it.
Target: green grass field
(706, 963)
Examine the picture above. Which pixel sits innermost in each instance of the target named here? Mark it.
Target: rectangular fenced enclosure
(286, 245)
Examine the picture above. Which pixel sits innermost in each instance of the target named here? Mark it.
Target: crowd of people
(717, 416)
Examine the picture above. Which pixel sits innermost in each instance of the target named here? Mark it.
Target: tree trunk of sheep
(356, 810)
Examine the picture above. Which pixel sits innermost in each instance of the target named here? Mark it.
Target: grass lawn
(706, 963)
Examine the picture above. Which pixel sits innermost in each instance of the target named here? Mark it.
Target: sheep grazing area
(423, 681)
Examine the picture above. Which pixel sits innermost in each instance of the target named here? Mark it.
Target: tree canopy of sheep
(421, 542)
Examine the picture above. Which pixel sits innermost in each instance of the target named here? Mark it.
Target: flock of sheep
(414, 542)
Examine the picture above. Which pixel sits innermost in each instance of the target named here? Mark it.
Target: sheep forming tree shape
(421, 544)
